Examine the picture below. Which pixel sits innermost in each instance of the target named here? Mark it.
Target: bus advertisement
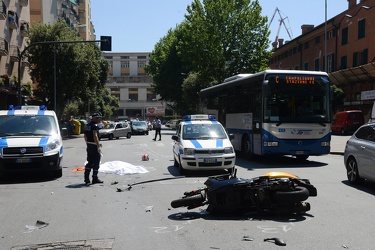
(274, 112)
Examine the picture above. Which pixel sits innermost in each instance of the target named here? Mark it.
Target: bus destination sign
(296, 79)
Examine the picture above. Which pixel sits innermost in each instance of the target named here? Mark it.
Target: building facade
(129, 82)
(14, 23)
(347, 43)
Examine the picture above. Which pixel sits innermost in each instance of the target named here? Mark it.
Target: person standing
(91, 136)
(157, 126)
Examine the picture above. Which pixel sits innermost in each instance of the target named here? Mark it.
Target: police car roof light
(199, 117)
(42, 107)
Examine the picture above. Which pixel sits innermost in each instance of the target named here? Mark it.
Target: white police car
(201, 143)
(30, 141)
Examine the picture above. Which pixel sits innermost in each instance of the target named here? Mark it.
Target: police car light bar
(199, 117)
(42, 107)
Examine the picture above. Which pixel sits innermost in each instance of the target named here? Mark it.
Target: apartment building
(14, 23)
(128, 81)
(349, 51)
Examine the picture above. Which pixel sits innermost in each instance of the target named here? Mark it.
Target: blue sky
(136, 26)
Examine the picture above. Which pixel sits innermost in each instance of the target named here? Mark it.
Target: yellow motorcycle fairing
(280, 175)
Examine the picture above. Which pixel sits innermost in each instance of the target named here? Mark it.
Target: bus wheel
(245, 147)
(302, 157)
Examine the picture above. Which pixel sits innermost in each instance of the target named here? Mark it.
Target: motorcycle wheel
(297, 195)
(188, 201)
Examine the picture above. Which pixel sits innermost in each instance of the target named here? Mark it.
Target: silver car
(115, 130)
(359, 155)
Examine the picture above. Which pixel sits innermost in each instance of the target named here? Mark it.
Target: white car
(201, 143)
(30, 141)
(115, 130)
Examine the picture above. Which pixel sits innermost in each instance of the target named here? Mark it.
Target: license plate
(23, 160)
(210, 160)
(300, 152)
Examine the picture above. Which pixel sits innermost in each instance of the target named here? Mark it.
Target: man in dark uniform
(91, 136)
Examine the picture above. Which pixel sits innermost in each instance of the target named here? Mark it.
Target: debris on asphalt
(149, 208)
(38, 225)
(278, 241)
(247, 238)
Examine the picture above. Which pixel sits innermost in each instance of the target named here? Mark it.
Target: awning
(363, 73)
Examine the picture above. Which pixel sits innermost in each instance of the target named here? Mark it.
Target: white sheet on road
(121, 168)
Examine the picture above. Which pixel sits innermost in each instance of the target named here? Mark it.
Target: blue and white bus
(274, 112)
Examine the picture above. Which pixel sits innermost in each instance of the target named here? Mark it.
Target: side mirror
(175, 138)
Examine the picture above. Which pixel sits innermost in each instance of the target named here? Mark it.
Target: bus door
(257, 126)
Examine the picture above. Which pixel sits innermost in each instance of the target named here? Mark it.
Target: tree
(337, 99)
(216, 40)
(80, 70)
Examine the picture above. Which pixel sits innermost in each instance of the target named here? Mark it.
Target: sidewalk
(338, 143)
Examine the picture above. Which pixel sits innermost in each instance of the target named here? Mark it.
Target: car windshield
(203, 131)
(139, 123)
(33, 125)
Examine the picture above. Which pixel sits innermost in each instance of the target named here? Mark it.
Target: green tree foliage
(337, 99)
(81, 72)
(216, 40)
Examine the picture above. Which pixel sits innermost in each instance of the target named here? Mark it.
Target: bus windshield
(297, 98)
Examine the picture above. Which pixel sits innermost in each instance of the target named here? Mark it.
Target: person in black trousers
(157, 126)
(91, 136)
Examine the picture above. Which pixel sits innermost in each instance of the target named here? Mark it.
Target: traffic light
(106, 43)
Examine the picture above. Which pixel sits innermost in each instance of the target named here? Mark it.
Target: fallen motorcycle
(273, 192)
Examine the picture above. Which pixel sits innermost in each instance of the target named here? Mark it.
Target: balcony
(3, 11)
(4, 47)
(23, 3)
(24, 28)
(13, 53)
(12, 19)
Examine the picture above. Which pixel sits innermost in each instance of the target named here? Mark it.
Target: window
(330, 63)
(108, 57)
(360, 58)
(124, 57)
(317, 40)
(124, 64)
(316, 64)
(151, 96)
(307, 45)
(344, 36)
(306, 66)
(141, 57)
(344, 62)
(133, 94)
(141, 64)
(361, 28)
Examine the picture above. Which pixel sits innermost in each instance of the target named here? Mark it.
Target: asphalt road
(141, 218)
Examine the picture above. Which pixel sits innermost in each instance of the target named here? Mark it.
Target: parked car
(345, 122)
(139, 127)
(359, 154)
(115, 130)
(173, 124)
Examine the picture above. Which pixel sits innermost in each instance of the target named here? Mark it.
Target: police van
(201, 143)
(30, 141)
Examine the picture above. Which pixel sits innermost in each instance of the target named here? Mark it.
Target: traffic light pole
(22, 53)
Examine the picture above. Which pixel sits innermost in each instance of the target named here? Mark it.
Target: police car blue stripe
(3, 144)
(196, 144)
(43, 142)
(41, 112)
(219, 143)
(10, 112)
(188, 122)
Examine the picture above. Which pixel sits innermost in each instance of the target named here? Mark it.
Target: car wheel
(352, 171)
(343, 131)
(129, 135)
(147, 133)
(180, 168)
(57, 173)
(110, 137)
